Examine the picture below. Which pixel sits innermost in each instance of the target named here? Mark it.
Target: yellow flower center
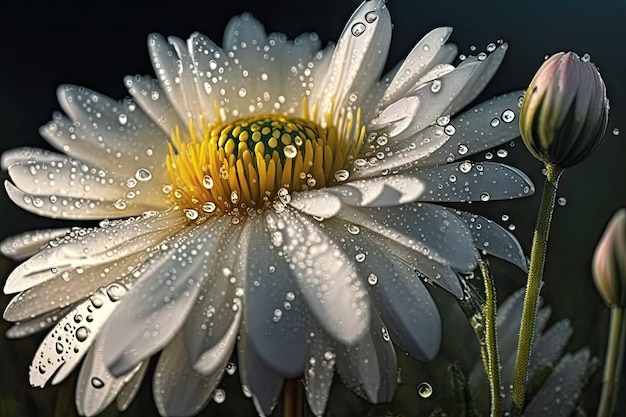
(241, 167)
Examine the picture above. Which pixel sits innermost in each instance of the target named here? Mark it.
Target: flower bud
(609, 262)
(565, 111)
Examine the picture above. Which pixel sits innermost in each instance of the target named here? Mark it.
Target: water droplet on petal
(485, 197)
(209, 207)
(358, 28)
(508, 116)
(615, 131)
(341, 175)
(370, 17)
(143, 175)
(502, 153)
(122, 118)
(359, 257)
(97, 382)
(462, 149)
(191, 214)
(82, 333)
(494, 122)
(561, 201)
(465, 167)
(372, 279)
(231, 368)
(424, 390)
(435, 86)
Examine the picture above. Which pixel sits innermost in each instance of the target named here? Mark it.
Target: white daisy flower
(271, 197)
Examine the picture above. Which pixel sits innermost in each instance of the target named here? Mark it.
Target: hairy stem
(533, 287)
(612, 362)
(492, 367)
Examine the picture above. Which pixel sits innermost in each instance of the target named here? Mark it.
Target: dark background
(96, 43)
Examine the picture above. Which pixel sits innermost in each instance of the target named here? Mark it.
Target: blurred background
(95, 44)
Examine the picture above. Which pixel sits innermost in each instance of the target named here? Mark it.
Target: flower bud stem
(612, 362)
(533, 287)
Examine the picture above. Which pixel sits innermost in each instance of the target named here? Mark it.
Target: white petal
(275, 311)
(484, 126)
(358, 58)
(177, 389)
(90, 247)
(479, 80)
(316, 203)
(370, 367)
(430, 229)
(149, 94)
(174, 69)
(381, 192)
(159, 302)
(28, 243)
(113, 135)
(27, 154)
(96, 388)
(131, 387)
(37, 324)
(318, 377)
(70, 339)
(405, 306)
(213, 324)
(434, 97)
(404, 153)
(257, 380)
(397, 116)
(326, 278)
(76, 208)
(495, 240)
(466, 181)
(416, 64)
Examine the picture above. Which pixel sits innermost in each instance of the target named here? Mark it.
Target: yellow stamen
(241, 165)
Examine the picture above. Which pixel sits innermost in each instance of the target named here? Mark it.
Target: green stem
(491, 342)
(533, 287)
(614, 353)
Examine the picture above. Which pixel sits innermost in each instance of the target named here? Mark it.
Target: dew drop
(488, 155)
(341, 175)
(511, 227)
(452, 178)
(191, 214)
(385, 334)
(615, 131)
(143, 175)
(435, 86)
(120, 204)
(484, 197)
(372, 279)
(231, 368)
(359, 257)
(424, 390)
(491, 47)
(443, 120)
(353, 229)
(449, 130)
(59, 348)
(82, 333)
(370, 17)
(561, 201)
(234, 197)
(208, 207)
(502, 153)
(97, 382)
(508, 116)
(505, 217)
(465, 167)
(358, 28)
(122, 118)
(207, 182)
(462, 149)
(115, 292)
(494, 122)
(154, 95)
(290, 151)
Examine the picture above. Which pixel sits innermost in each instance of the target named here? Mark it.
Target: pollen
(241, 167)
